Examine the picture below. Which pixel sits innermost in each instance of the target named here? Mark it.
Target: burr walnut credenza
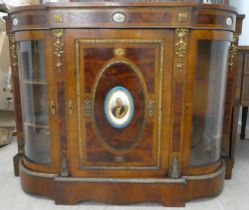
(121, 102)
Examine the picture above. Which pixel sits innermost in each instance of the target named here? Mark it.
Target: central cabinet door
(120, 84)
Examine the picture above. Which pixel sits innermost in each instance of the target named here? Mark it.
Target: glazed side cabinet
(121, 97)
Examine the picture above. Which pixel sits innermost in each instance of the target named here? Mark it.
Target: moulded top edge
(83, 5)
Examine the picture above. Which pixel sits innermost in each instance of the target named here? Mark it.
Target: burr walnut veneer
(121, 102)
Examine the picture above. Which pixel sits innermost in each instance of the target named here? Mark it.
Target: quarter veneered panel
(95, 59)
(124, 65)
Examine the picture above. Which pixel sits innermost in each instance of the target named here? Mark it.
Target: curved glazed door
(120, 80)
(207, 93)
(37, 94)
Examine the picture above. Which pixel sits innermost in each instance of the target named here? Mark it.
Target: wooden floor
(234, 197)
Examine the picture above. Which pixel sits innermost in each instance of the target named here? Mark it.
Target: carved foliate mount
(58, 47)
(151, 107)
(13, 52)
(234, 49)
(181, 47)
(87, 107)
(175, 171)
(182, 17)
(58, 18)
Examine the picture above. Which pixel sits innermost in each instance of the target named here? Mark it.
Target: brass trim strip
(120, 180)
(221, 170)
(183, 179)
(120, 167)
(23, 169)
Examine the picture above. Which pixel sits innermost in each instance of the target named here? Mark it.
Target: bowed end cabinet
(121, 102)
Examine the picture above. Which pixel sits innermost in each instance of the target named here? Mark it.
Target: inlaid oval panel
(120, 106)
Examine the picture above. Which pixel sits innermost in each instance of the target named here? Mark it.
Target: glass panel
(34, 101)
(209, 95)
(33, 60)
(37, 146)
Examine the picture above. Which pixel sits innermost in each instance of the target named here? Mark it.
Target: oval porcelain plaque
(15, 21)
(229, 21)
(119, 17)
(119, 107)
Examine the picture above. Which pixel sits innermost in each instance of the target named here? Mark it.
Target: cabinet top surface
(102, 5)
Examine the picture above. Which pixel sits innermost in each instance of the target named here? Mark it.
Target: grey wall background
(243, 8)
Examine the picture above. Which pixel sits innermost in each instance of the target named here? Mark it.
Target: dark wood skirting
(168, 192)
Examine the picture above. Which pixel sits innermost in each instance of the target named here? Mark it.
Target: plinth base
(168, 192)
